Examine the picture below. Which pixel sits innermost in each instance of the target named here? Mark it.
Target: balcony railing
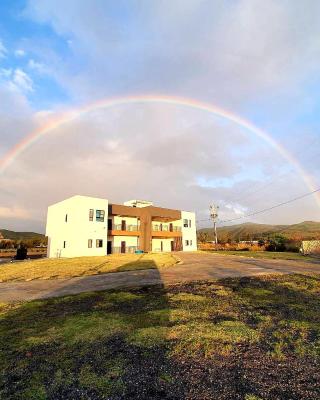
(166, 228)
(127, 250)
(128, 228)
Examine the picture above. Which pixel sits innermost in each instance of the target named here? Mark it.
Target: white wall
(189, 233)
(78, 229)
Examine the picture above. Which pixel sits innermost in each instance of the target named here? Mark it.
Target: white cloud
(22, 80)
(5, 73)
(37, 66)
(3, 50)
(14, 213)
(244, 55)
(19, 53)
(16, 80)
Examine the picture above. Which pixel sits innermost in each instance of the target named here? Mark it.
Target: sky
(254, 59)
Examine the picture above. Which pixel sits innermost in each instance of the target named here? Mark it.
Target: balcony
(165, 231)
(126, 250)
(124, 230)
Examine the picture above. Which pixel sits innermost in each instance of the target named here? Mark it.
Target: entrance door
(123, 247)
(109, 247)
(172, 245)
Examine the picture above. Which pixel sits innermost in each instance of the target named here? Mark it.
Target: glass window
(91, 214)
(190, 242)
(64, 244)
(185, 223)
(66, 218)
(187, 242)
(189, 223)
(99, 243)
(90, 243)
(100, 215)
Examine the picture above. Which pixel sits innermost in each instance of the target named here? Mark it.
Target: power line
(258, 189)
(265, 209)
(273, 207)
(269, 183)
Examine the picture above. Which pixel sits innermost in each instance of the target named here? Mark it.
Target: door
(171, 227)
(161, 245)
(123, 225)
(109, 247)
(123, 247)
(172, 245)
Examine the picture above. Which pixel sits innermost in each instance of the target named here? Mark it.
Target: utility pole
(214, 215)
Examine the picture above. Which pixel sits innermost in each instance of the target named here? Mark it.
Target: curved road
(194, 266)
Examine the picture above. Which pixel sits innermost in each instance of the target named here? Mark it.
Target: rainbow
(60, 120)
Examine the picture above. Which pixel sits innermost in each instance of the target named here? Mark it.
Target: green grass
(262, 332)
(55, 268)
(276, 255)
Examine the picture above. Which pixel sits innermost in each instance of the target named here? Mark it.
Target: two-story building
(88, 226)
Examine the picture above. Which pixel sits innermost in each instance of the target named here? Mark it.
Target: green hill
(6, 234)
(252, 231)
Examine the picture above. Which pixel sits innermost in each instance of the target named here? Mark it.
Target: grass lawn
(277, 255)
(80, 266)
(245, 338)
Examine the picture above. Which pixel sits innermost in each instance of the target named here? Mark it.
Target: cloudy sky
(256, 59)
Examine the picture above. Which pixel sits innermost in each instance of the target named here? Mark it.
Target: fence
(129, 228)
(128, 249)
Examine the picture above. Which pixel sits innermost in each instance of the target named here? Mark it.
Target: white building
(88, 226)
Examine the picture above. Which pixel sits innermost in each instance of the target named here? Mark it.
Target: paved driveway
(194, 266)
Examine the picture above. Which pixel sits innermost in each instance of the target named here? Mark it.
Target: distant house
(311, 247)
(84, 226)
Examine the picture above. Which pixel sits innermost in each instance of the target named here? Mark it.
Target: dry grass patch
(83, 266)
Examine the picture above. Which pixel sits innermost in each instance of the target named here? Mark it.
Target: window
(90, 243)
(185, 223)
(91, 214)
(187, 242)
(64, 244)
(100, 215)
(99, 243)
(109, 224)
(190, 242)
(66, 218)
(189, 223)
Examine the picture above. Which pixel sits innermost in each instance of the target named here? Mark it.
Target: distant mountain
(252, 231)
(6, 234)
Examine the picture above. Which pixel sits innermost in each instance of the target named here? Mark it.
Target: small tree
(277, 243)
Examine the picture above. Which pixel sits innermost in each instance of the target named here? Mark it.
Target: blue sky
(260, 60)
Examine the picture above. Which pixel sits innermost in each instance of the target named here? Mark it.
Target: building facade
(88, 226)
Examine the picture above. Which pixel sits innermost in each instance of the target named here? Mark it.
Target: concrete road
(194, 266)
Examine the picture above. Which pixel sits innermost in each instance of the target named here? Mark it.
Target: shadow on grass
(219, 340)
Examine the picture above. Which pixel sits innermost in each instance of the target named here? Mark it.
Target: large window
(185, 223)
(187, 242)
(91, 211)
(90, 243)
(100, 215)
(99, 243)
